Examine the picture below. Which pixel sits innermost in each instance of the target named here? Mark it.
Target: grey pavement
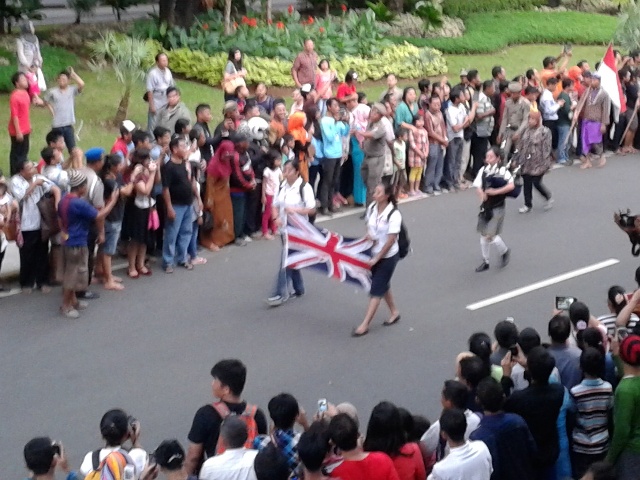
(149, 349)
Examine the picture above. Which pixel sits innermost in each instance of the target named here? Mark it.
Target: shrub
(523, 28)
(354, 34)
(406, 61)
(55, 60)
(462, 8)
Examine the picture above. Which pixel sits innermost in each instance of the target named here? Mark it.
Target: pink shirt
(324, 79)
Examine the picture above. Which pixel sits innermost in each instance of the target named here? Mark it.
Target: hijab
(296, 127)
(220, 166)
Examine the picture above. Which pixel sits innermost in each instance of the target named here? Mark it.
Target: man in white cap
(514, 119)
(123, 145)
(77, 216)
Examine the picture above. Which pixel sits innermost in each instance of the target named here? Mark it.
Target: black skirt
(135, 226)
(381, 274)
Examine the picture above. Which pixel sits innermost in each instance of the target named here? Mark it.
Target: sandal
(187, 265)
(134, 274)
(145, 271)
(199, 261)
(393, 321)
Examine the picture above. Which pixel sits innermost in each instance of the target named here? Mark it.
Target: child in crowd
(34, 88)
(7, 207)
(287, 143)
(271, 180)
(418, 152)
(242, 93)
(324, 83)
(298, 102)
(400, 162)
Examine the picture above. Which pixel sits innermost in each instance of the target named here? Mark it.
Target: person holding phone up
(43, 457)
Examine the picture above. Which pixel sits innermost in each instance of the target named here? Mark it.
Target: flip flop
(135, 275)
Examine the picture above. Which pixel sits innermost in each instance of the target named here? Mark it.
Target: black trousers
(92, 239)
(331, 178)
(479, 148)
(531, 181)
(253, 211)
(19, 153)
(34, 260)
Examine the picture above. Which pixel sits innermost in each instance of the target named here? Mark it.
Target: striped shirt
(609, 321)
(419, 142)
(593, 399)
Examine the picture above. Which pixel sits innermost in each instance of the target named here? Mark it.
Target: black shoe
(363, 216)
(484, 266)
(87, 295)
(505, 258)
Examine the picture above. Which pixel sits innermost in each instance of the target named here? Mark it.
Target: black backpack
(404, 242)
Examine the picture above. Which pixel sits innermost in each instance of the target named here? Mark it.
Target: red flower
(280, 26)
(245, 20)
(235, 24)
(322, 30)
(270, 22)
(205, 26)
(343, 7)
(253, 22)
(310, 20)
(290, 9)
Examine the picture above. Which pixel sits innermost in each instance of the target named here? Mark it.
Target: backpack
(111, 467)
(248, 417)
(404, 242)
(312, 218)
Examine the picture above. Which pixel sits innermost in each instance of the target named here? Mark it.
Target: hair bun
(619, 298)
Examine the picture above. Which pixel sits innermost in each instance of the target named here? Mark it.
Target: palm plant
(627, 33)
(126, 57)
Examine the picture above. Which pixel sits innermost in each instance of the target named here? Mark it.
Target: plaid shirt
(287, 442)
(418, 141)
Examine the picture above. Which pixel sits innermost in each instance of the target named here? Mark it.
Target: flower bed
(405, 60)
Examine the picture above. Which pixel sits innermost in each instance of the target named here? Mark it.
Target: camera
(514, 351)
(57, 448)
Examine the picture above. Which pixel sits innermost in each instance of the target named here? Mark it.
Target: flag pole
(635, 112)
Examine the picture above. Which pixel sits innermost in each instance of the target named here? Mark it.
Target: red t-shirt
(409, 464)
(19, 105)
(120, 146)
(344, 90)
(376, 466)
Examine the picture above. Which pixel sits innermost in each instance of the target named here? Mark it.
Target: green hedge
(55, 60)
(462, 8)
(491, 32)
(406, 61)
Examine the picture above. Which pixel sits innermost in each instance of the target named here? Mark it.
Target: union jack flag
(345, 259)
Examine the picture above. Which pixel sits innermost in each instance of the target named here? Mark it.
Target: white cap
(306, 88)
(129, 125)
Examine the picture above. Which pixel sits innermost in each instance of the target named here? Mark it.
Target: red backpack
(248, 416)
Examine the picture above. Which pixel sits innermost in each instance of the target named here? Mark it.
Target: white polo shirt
(381, 225)
(471, 461)
(30, 214)
(289, 196)
(233, 464)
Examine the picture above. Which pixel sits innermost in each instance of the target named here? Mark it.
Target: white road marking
(542, 284)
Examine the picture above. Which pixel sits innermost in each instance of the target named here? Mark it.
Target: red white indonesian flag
(610, 81)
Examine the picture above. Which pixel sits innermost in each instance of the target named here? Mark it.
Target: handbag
(154, 220)
(10, 228)
(42, 84)
(50, 225)
(230, 86)
(207, 221)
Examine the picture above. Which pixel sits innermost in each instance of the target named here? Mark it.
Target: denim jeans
(287, 276)
(563, 143)
(453, 161)
(69, 136)
(177, 235)
(192, 251)
(434, 167)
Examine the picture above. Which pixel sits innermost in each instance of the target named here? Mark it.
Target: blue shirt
(510, 443)
(77, 217)
(332, 133)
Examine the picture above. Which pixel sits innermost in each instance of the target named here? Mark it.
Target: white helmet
(259, 128)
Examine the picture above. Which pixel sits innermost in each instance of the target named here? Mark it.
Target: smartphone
(152, 462)
(322, 405)
(514, 351)
(57, 448)
(563, 303)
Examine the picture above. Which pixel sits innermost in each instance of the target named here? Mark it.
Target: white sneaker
(275, 301)
(72, 313)
(549, 204)
(524, 209)
(247, 239)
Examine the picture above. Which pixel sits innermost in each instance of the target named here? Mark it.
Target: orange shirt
(545, 75)
(19, 104)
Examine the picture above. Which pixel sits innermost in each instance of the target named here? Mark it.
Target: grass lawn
(97, 105)
(490, 32)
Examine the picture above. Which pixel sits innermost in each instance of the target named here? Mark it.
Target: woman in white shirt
(294, 197)
(383, 226)
(116, 428)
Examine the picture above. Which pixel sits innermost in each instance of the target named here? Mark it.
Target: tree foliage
(627, 33)
(12, 11)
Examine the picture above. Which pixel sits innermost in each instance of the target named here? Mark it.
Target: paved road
(150, 348)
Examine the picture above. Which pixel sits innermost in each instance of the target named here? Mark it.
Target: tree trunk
(78, 17)
(227, 17)
(185, 13)
(3, 7)
(326, 8)
(397, 6)
(166, 11)
(269, 9)
(118, 14)
(123, 107)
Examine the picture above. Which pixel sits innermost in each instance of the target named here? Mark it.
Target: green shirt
(626, 419)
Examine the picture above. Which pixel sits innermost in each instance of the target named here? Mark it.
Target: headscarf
(220, 166)
(26, 32)
(574, 74)
(296, 127)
